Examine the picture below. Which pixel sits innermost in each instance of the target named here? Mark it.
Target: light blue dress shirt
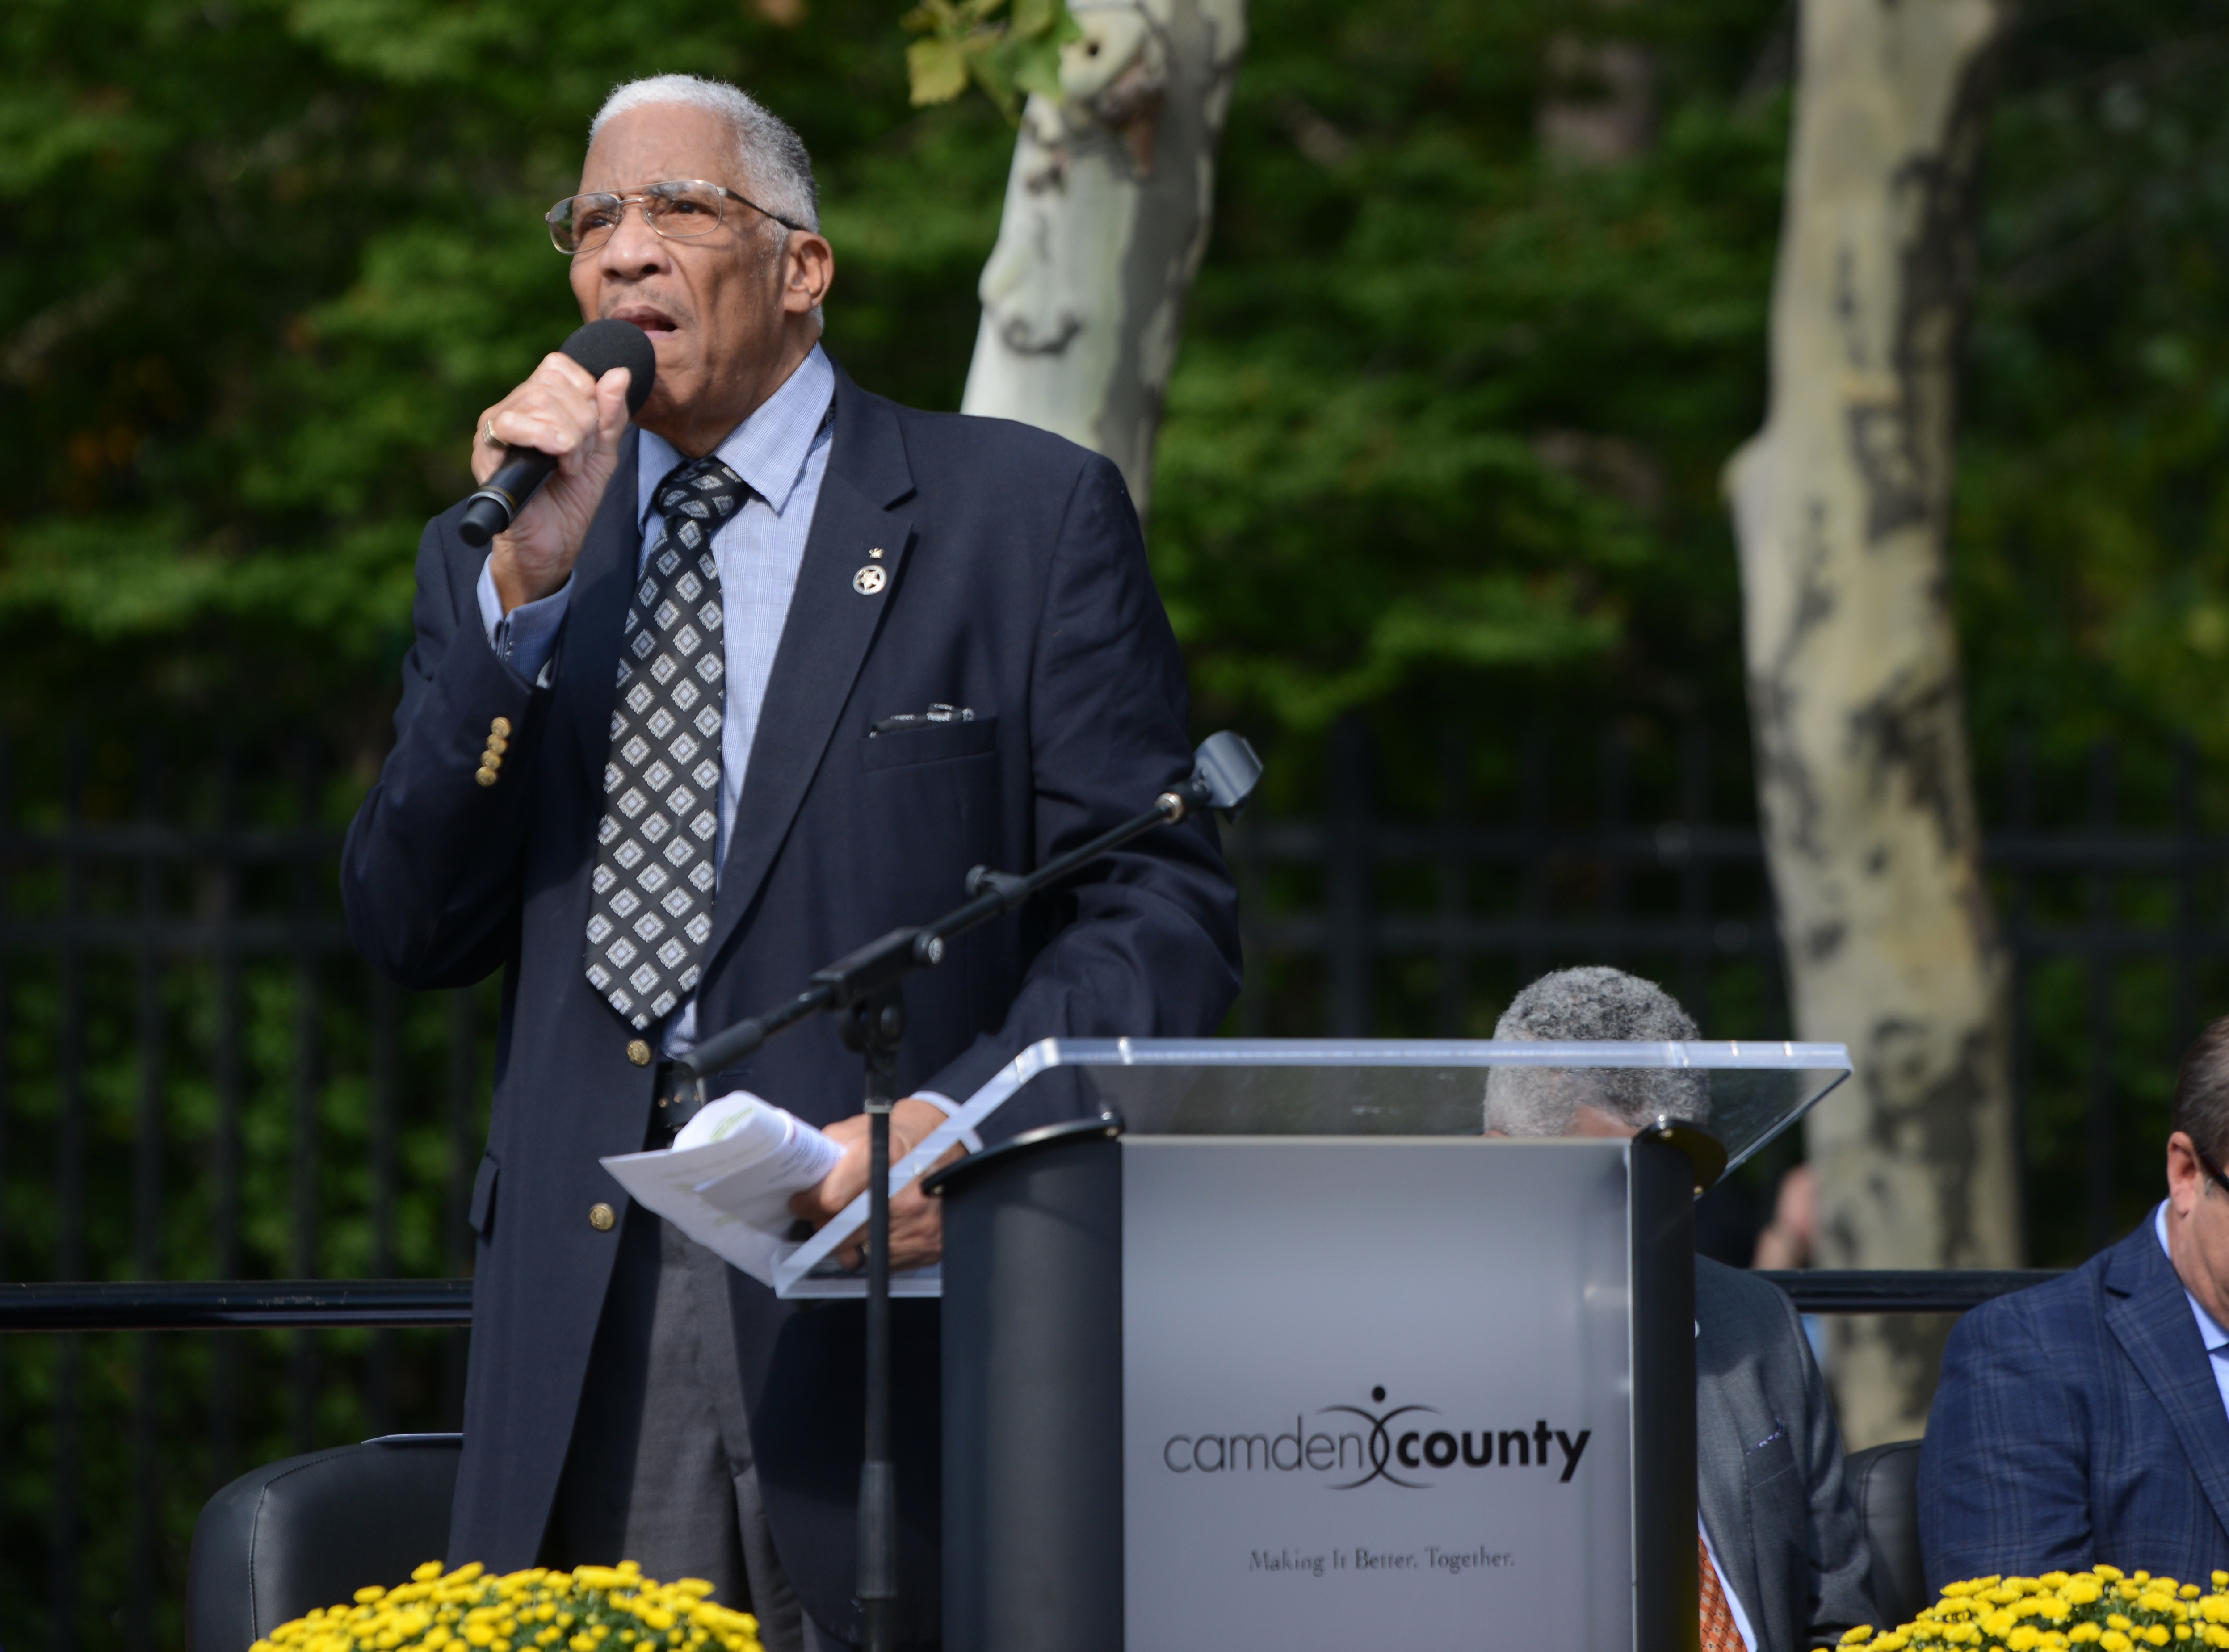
(2209, 1330)
(781, 452)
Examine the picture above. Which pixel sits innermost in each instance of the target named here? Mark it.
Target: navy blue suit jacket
(2078, 1422)
(1018, 586)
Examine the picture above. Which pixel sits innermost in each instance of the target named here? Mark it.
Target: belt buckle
(677, 1103)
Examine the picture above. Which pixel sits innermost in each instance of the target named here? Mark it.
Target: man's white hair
(776, 170)
(1582, 1005)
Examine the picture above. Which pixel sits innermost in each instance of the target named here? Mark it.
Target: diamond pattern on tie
(651, 904)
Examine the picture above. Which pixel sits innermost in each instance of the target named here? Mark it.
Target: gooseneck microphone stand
(865, 988)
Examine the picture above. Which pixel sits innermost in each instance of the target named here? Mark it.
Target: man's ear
(808, 270)
(2187, 1182)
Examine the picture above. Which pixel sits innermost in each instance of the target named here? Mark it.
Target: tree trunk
(1107, 215)
(1841, 505)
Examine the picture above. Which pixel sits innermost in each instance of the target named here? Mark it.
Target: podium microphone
(600, 347)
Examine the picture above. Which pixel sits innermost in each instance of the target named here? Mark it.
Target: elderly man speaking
(742, 689)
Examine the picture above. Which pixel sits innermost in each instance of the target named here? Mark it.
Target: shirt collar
(2209, 1329)
(768, 450)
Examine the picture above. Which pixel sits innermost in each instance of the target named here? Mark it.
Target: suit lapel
(2151, 1318)
(1721, 1494)
(588, 671)
(832, 624)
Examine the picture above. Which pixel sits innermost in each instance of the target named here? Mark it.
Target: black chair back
(1884, 1483)
(308, 1532)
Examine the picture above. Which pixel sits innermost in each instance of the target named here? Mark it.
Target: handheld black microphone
(600, 347)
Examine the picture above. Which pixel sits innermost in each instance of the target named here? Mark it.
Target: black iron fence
(199, 1080)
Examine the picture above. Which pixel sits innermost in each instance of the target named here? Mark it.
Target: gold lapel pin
(868, 580)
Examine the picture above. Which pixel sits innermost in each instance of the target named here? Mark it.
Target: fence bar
(225, 1150)
(2019, 814)
(69, 1249)
(1904, 1290)
(7, 1097)
(147, 1228)
(1616, 775)
(308, 1183)
(1451, 1013)
(304, 1305)
(2098, 981)
(1538, 846)
(458, 1237)
(386, 1082)
(1349, 876)
(1695, 876)
(2182, 1025)
(337, 1304)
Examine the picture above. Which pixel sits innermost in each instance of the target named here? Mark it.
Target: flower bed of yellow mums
(2114, 1610)
(612, 1608)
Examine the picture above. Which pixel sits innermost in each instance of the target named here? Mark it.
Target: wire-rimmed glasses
(679, 209)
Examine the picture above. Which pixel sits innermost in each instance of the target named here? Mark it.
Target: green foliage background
(1442, 448)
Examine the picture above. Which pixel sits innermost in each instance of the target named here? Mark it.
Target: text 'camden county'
(1394, 1446)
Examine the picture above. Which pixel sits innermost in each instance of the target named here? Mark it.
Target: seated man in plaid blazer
(2087, 1420)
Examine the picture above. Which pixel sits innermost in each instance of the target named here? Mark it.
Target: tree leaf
(937, 69)
(1035, 65)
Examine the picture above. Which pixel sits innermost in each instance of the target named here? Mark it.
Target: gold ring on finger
(488, 435)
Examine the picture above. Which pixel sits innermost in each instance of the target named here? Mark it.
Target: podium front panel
(1375, 1388)
(1264, 1344)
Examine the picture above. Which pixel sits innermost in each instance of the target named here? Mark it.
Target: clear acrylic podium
(1266, 1345)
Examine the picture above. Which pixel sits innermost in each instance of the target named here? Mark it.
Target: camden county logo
(1403, 1447)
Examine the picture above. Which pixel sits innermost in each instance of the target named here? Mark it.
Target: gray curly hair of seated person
(1586, 1005)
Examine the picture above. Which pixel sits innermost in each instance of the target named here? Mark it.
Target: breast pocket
(929, 742)
(1769, 1461)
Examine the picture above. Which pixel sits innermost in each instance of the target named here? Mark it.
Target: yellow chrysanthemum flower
(583, 1610)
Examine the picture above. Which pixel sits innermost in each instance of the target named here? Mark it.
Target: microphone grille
(602, 345)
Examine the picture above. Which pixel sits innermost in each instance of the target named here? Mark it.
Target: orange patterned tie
(1719, 1634)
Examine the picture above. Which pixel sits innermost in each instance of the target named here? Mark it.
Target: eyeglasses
(678, 211)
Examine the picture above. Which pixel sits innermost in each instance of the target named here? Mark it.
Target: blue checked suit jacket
(2078, 1422)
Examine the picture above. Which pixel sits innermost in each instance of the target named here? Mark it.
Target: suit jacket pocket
(1769, 1460)
(482, 1214)
(931, 742)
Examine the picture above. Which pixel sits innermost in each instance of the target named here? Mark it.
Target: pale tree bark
(1841, 505)
(1106, 216)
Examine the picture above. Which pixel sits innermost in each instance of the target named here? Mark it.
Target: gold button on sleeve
(490, 759)
(639, 1053)
(498, 744)
(484, 776)
(600, 1216)
(500, 728)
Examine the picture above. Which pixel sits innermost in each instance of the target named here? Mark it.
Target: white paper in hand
(727, 1179)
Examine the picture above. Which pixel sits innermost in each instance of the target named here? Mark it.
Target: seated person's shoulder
(2064, 1317)
(1727, 1298)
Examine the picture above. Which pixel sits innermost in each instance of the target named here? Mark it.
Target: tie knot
(702, 490)
(697, 498)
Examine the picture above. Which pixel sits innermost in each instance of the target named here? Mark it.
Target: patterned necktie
(1719, 1634)
(652, 906)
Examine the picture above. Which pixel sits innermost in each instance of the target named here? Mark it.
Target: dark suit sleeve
(430, 874)
(2003, 1476)
(1841, 1566)
(1147, 945)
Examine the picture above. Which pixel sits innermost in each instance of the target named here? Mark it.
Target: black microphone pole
(867, 988)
